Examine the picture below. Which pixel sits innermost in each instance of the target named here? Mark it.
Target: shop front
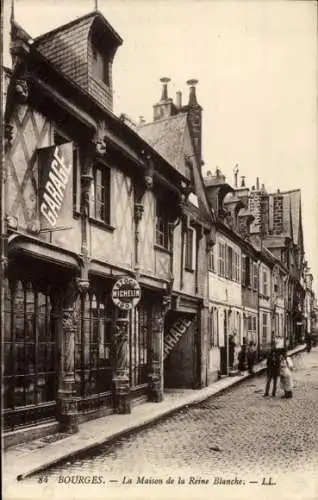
(31, 344)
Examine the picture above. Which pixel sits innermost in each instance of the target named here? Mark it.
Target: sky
(256, 62)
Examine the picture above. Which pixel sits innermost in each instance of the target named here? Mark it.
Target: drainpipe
(258, 304)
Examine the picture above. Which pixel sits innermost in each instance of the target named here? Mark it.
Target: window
(162, 225)
(93, 363)
(246, 271)
(264, 328)
(211, 260)
(190, 249)
(255, 276)
(265, 283)
(100, 199)
(100, 67)
(236, 273)
(251, 327)
(214, 327)
(29, 352)
(221, 262)
(140, 344)
(229, 270)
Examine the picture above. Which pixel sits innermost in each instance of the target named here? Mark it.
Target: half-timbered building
(86, 200)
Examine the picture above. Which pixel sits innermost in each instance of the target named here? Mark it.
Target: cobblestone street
(237, 434)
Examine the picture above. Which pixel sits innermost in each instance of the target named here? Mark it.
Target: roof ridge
(64, 26)
(286, 192)
(166, 118)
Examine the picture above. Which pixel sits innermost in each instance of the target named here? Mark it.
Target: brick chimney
(278, 213)
(195, 119)
(259, 207)
(165, 107)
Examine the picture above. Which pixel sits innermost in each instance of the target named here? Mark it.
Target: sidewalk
(24, 460)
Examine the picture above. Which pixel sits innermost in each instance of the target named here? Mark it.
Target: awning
(42, 251)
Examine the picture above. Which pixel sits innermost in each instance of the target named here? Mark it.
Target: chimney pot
(192, 82)
(243, 181)
(164, 80)
(236, 171)
(192, 96)
(179, 100)
(257, 183)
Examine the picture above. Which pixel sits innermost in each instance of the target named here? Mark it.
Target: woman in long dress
(286, 380)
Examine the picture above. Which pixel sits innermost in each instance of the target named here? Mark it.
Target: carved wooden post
(121, 376)
(66, 394)
(155, 376)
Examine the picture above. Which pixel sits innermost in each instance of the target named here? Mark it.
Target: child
(286, 381)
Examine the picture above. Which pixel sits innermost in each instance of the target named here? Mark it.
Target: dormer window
(100, 67)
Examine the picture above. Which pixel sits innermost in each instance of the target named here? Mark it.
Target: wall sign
(126, 293)
(55, 185)
(175, 333)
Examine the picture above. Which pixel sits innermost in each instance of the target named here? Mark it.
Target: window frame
(221, 259)
(211, 260)
(106, 196)
(162, 236)
(100, 66)
(190, 253)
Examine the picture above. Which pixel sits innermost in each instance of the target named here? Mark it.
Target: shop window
(139, 345)
(29, 353)
(190, 249)
(100, 196)
(162, 225)
(93, 363)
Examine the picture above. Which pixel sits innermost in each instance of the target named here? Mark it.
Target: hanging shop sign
(126, 293)
(55, 185)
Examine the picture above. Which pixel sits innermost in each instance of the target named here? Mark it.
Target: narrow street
(239, 436)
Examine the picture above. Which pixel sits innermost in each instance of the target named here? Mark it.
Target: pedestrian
(273, 369)
(286, 381)
(308, 341)
(251, 357)
(242, 357)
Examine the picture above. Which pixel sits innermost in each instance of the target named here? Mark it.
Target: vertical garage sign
(55, 165)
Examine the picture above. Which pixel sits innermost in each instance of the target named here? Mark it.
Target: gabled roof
(66, 47)
(167, 137)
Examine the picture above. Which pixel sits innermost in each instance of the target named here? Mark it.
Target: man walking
(273, 369)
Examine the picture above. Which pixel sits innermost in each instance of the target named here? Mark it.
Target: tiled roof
(167, 137)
